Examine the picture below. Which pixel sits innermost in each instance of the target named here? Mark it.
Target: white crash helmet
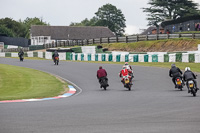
(187, 68)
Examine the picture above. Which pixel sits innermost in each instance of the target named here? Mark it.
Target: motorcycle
(104, 83)
(192, 89)
(21, 58)
(127, 82)
(56, 60)
(179, 83)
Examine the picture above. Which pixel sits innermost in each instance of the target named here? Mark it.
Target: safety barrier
(175, 57)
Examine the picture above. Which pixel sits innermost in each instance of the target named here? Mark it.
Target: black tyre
(104, 87)
(193, 92)
(129, 87)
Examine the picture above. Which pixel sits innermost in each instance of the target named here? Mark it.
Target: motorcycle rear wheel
(104, 87)
(193, 92)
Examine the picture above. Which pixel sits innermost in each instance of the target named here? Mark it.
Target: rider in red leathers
(125, 72)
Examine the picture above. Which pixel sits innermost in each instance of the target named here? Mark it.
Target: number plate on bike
(191, 85)
(126, 81)
(178, 82)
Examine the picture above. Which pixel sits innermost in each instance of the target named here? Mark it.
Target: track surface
(153, 106)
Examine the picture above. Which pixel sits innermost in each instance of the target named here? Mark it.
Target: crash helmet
(173, 65)
(126, 63)
(187, 69)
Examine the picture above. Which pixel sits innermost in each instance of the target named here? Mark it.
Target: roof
(71, 32)
(149, 30)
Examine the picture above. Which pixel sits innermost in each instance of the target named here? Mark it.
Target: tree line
(13, 28)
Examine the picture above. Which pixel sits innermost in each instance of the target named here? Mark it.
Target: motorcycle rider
(21, 54)
(175, 72)
(189, 75)
(55, 54)
(130, 69)
(101, 73)
(124, 72)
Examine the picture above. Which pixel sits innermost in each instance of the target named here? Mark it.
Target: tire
(56, 62)
(193, 92)
(181, 88)
(104, 87)
(129, 87)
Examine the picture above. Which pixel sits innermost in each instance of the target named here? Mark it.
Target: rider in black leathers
(55, 54)
(21, 54)
(189, 75)
(175, 72)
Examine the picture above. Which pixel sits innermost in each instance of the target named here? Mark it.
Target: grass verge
(25, 83)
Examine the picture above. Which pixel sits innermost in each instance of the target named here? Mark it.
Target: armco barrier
(155, 58)
(191, 58)
(135, 58)
(166, 58)
(197, 58)
(40, 54)
(30, 54)
(185, 57)
(172, 57)
(160, 57)
(14, 54)
(2, 55)
(180, 57)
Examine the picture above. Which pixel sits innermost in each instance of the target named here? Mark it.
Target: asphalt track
(153, 106)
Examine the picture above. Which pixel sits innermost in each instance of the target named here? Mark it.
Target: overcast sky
(63, 12)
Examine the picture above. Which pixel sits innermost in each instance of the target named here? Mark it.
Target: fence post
(146, 37)
(100, 40)
(56, 43)
(93, 41)
(126, 39)
(179, 35)
(167, 36)
(193, 35)
(108, 40)
(117, 39)
(156, 36)
(82, 42)
(137, 38)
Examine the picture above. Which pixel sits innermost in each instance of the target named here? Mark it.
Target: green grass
(25, 83)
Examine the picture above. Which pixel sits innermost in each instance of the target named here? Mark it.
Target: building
(41, 34)
(190, 23)
(153, 30)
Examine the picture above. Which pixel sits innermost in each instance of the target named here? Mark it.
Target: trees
(85, 22)
(12, 27)
(109, 16)
(161, 10)
(19, 28)
(5, 30)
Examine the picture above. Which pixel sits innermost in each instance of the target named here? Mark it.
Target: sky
(63, 12)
